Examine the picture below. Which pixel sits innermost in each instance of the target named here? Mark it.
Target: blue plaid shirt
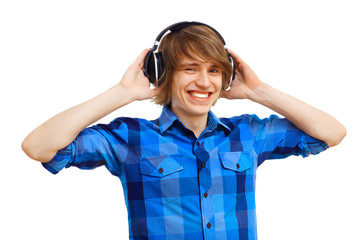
(177, 186)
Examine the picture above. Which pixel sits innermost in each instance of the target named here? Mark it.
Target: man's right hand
(137, 85)
(60, 130)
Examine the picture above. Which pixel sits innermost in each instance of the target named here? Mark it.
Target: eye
(214, 70)
(189, 69)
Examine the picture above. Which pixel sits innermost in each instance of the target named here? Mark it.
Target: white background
(55, 54)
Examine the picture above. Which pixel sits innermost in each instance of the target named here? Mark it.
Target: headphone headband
(154, 64)
(180, 25)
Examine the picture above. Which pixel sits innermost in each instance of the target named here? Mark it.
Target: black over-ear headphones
(154, 64)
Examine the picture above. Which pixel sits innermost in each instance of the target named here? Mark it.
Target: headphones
(154, 64)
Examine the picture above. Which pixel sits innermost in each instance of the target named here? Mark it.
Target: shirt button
(161, 170)
(203, 165)
(206, 195)
(237, 165)
(198, 144)
(208, 225)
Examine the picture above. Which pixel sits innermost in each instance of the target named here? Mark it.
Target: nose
(203, 79)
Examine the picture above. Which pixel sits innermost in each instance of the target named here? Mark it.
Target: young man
(187, 174)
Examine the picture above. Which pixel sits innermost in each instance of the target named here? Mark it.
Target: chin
(201, 110)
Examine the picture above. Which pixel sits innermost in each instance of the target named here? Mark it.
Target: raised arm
(309, 119)
(59, 131)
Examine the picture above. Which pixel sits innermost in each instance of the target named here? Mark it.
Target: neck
(196, 124)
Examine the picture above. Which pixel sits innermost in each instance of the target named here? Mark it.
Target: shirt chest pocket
(237, 177)
(162, 177)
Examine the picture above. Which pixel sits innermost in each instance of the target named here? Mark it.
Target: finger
(235, 55)
(154, 92)
(237, 59)
(225, 94)
(140, 59)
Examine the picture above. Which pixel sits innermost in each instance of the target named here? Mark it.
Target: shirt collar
(167, 118)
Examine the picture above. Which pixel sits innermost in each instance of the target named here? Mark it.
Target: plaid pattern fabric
(177, 186)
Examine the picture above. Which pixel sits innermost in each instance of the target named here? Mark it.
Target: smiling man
(195, 88)
(187, 174)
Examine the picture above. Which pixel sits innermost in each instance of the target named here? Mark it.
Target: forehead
(194, 60)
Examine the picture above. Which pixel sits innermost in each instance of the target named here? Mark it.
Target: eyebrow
(189, 64)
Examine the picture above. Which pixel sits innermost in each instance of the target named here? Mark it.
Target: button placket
(205, 183)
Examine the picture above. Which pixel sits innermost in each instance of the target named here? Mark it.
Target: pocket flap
(236, 161)
(160, 166)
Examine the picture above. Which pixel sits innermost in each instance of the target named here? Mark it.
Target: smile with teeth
(200, 95)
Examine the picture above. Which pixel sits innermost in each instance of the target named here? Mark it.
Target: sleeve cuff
(62, 159)
(312, 146)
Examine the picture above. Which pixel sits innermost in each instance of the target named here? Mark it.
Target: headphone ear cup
(160, 66)
(232, 70)
(149, 67)
(154, 66)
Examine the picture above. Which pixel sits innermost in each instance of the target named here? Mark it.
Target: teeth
(199, 95)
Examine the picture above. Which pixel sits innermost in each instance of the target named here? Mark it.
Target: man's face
(196, 85)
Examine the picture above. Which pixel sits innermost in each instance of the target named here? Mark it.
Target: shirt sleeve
(278, 138)
(93, 147)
